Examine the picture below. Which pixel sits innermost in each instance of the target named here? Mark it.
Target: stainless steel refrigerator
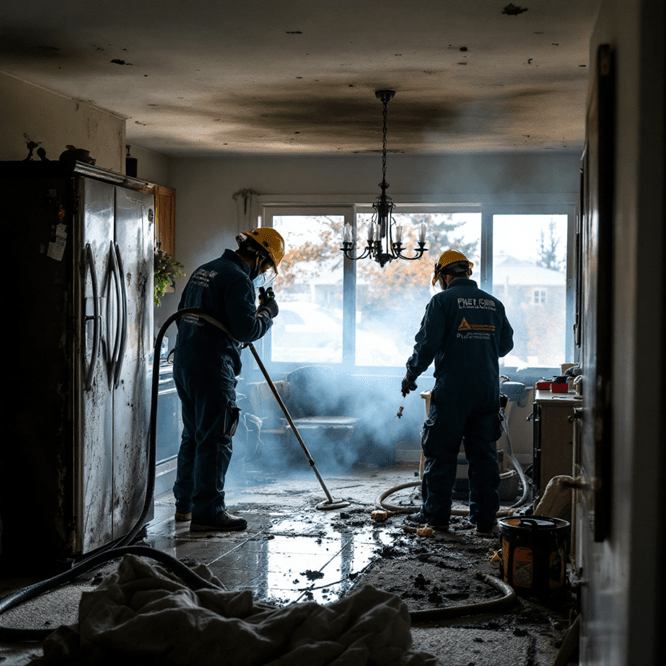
(77, 343)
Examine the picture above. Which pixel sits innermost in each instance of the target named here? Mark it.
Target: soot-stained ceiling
(211, 77)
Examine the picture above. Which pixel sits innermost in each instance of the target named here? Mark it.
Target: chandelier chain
(385, 117)
(380, 246)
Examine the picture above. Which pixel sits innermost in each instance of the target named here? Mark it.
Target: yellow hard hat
(447, 258)
(270, 240)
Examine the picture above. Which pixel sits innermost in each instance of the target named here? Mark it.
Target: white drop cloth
(146, 614)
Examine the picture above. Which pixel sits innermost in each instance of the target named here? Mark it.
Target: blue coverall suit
(465, 331)
(206, 364)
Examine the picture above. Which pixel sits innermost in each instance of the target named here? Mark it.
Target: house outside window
(530, 257)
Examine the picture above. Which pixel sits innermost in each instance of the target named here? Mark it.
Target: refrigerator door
(96, 291)
(134, 234)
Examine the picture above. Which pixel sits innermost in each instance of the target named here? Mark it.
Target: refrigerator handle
(96, 317)
(123, 323)
(113, 363)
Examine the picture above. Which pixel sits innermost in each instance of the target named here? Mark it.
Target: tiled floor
(292, 552)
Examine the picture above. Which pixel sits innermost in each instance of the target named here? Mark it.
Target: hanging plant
(167, 269)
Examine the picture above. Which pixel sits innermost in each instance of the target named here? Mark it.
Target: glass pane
(529, 277)
(390, 301)
(308, 290)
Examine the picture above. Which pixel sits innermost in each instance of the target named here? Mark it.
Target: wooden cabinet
(165, 219)
(553, 436)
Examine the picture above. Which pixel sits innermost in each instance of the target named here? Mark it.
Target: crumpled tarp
(144, 612)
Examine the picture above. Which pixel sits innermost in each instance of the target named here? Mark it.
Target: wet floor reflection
(291, 552)
(284, 565)
(282, 560)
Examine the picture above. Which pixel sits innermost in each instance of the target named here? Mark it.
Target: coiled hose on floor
(381, 504)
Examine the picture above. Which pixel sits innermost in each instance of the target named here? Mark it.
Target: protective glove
(408, 384)
(267, 303)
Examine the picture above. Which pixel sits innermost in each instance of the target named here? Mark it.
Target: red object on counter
(559, 388)
(543, 386)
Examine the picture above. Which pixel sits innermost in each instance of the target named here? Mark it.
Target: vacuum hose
(491, 606)
(118, 548)
(516, 464)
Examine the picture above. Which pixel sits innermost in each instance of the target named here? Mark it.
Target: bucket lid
(532, 523)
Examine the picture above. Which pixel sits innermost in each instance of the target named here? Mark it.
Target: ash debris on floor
(429, 572)
(292, 552)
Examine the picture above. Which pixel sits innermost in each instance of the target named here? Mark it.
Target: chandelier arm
(419, 253)
(365, 253)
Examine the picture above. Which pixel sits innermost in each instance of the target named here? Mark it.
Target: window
(337, 311)
(391, 301)
(530, 257)
(309, 327)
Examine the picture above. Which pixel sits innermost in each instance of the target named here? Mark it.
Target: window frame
(341, 205)
(348, 277)
(568, 209)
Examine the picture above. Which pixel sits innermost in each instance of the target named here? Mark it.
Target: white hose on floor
(392, 508)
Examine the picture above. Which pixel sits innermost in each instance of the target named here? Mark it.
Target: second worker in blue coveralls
(206, 364)
(465, 331)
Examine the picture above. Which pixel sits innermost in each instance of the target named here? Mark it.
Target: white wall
(624, 575)
(152, 166)
(55, 121)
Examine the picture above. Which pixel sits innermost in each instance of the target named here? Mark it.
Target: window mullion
(486, 251)
(349, 300)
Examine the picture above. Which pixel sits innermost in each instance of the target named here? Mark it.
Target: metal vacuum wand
(330, 503)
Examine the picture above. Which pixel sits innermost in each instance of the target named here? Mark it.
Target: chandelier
(384, 238)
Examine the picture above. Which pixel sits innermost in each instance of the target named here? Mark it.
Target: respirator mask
(265, 278)
(438, 281)
(262, 278)
(458, 269)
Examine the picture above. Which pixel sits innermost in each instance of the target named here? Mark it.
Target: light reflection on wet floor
(295, 555)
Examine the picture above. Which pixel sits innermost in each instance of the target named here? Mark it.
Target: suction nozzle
(329, 505)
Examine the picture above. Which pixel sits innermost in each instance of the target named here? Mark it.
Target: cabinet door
(556, 443)
(165, 219)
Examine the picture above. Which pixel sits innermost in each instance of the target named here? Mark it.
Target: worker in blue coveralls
(206, 364)
(465, 331)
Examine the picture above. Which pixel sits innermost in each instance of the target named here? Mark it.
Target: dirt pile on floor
(430, 572)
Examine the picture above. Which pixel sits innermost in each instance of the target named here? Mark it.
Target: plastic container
(534, 554)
